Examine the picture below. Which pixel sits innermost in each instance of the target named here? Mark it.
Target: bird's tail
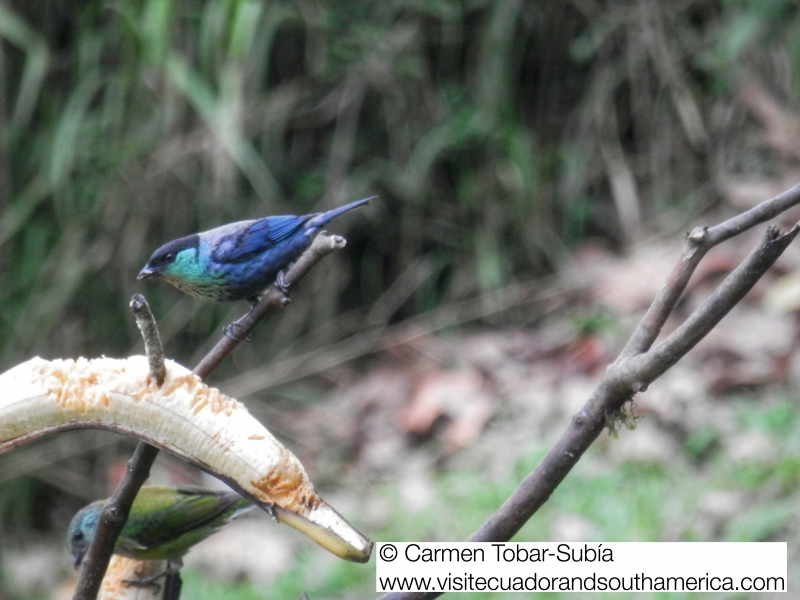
(326, 217)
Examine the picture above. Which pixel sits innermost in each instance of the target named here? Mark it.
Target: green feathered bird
(164, 522)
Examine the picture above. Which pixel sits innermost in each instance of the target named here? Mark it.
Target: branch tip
(137, 303)
(152, 340)
(697, 235)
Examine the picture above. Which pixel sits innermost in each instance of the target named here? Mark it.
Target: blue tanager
(240, 260)
(164, 523)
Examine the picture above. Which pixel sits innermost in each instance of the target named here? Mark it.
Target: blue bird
(240, 260)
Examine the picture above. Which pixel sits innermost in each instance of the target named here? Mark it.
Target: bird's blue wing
(256, 238)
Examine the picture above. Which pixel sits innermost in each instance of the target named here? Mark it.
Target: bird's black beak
(77, 558)
(145, 273)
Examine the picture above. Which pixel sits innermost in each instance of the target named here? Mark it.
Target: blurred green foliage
(497, 133)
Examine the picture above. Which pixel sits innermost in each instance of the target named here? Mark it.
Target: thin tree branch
(769, 209)
(655, 317)
(115, 513)
(111, 522)
(697, 244)
(636, 368)
(152, 340)
(730, 292)
(619, 385)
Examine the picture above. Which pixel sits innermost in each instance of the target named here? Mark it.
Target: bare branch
(697, 244)
(650, 326)
(769, 209)
(730, 292)
(152, 341)
(114, 515)
(621, 382)
(637, 365)
(111, 521)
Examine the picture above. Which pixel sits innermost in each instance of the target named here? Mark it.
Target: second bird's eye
(169, 257)
(77, 536)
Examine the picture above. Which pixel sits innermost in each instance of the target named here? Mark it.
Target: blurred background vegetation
(498, 135)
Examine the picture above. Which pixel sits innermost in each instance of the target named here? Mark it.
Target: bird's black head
(166, 255)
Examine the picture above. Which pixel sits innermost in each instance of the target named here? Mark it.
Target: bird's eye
(169, 257)
(77, 536)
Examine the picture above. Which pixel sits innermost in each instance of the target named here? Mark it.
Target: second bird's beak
(77, 559)
(145, 273)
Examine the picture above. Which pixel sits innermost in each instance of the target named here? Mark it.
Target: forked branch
(639, 364)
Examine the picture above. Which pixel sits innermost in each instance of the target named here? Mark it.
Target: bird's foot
(231, 332)
(150, 581)
(143, 583)
(281, 284)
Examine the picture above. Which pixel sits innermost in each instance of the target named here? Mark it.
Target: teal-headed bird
(164, 523)
(240, 260)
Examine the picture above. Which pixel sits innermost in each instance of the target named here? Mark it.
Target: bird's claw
(229, 331)
(140, 583)
(281, 284)
(173, 567)
(143, 582)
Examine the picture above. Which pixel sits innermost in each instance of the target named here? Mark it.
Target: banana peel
(185, 417)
